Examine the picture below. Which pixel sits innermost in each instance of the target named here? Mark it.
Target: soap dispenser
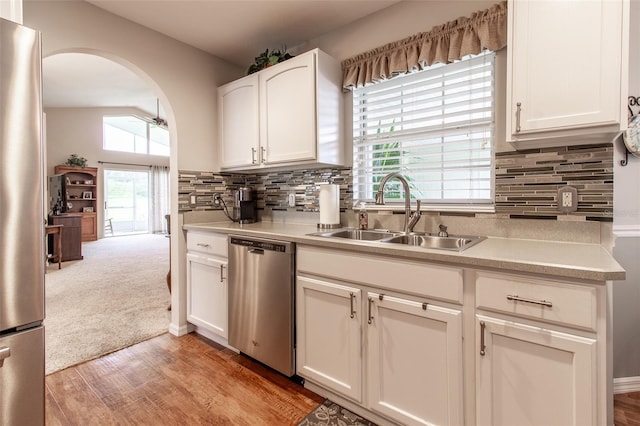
(363, 217)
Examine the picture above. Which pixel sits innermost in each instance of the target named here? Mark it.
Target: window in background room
(436, 127)
(135, 135)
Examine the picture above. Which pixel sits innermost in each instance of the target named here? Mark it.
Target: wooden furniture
(71, 239)
(566, 74)
(289, 114)
(82, 194)
(56, 231)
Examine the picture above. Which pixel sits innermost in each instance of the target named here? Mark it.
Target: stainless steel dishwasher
(261, 300)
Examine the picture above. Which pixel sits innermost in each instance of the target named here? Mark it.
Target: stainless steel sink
(454, 243)
(357, 234)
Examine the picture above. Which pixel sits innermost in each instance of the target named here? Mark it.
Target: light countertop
(560, 259)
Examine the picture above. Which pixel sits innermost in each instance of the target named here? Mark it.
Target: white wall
(184, 78)
(626, 228)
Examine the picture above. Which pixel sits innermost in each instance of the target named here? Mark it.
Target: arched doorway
(80, 89)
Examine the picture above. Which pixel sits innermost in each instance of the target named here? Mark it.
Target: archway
(86, 128)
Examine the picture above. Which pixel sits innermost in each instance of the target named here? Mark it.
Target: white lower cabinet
(207, 282)
(328, 322)
(529, 375)
(207, 293)
(414, 360)
(396, 355)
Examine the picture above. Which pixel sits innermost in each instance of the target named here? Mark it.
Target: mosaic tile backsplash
(526, 186)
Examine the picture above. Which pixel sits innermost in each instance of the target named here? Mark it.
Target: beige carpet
(115, 297)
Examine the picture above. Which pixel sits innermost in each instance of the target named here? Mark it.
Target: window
(436, 127)
(133, 134)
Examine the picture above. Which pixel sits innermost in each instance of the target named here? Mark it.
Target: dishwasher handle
(256, 251)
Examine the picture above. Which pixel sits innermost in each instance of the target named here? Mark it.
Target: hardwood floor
(189, 380)
(626, 409)
(172, 380)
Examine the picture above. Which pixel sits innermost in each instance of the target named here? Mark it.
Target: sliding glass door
(126, 201)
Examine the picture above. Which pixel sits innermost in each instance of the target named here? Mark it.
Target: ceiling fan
(160, 122)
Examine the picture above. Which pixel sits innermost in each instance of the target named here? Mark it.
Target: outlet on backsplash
(567, 199)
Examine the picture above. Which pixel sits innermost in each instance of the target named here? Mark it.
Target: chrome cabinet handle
(264, 155)
(351, 300)
(518, 110)
(221, 273)
(516, 298)
(253, 156)
(482, 345)
(370, 311)
(5, 353)
(203, 245)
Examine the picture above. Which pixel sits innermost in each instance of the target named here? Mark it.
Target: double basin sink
(417, 239)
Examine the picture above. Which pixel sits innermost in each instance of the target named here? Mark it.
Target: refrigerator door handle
(5, 353)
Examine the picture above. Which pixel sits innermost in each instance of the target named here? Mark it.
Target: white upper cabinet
(238, 122)
(287, 111)
(566, 71)
(289, 114)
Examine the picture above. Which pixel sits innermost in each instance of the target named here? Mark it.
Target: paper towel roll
(329, 204)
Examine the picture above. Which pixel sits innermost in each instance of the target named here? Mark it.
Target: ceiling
(82, 80)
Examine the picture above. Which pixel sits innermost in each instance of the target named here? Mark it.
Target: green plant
(386, 159)
(266, 59)
(76, 161)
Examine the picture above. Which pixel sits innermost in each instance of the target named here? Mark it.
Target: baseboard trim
(626, 384)
(177, 330)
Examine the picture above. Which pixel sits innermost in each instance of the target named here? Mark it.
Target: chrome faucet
(410, 219)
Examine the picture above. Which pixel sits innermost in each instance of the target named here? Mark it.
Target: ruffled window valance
(486, 29)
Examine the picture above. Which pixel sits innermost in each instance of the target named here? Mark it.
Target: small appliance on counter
(244, 209)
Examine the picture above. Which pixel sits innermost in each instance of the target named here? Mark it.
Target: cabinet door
(414, 361)
(89, 226)
(533, 376)
(328, 350)
(565, 60)
(239, 122)
(207, 293)
(288, 110)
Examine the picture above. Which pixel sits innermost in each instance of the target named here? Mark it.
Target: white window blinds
(436, 127)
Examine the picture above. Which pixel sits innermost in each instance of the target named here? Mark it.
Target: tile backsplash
(527, 182)
(526, 185)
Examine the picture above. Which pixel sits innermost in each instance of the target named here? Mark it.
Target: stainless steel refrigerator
(21, 228)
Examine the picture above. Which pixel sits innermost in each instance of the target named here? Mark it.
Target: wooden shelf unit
(80, 182)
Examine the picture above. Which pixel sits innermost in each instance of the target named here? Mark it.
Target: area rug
(115, 297)
(331, 414)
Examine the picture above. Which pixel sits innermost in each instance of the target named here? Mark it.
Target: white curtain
(159, 198)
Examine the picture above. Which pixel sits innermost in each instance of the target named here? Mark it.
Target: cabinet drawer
(414, 277)
(207, 242)
(539, 299)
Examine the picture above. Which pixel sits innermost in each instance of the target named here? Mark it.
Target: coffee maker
(244, 209)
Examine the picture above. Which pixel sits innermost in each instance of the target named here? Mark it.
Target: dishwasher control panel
(261, 244)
